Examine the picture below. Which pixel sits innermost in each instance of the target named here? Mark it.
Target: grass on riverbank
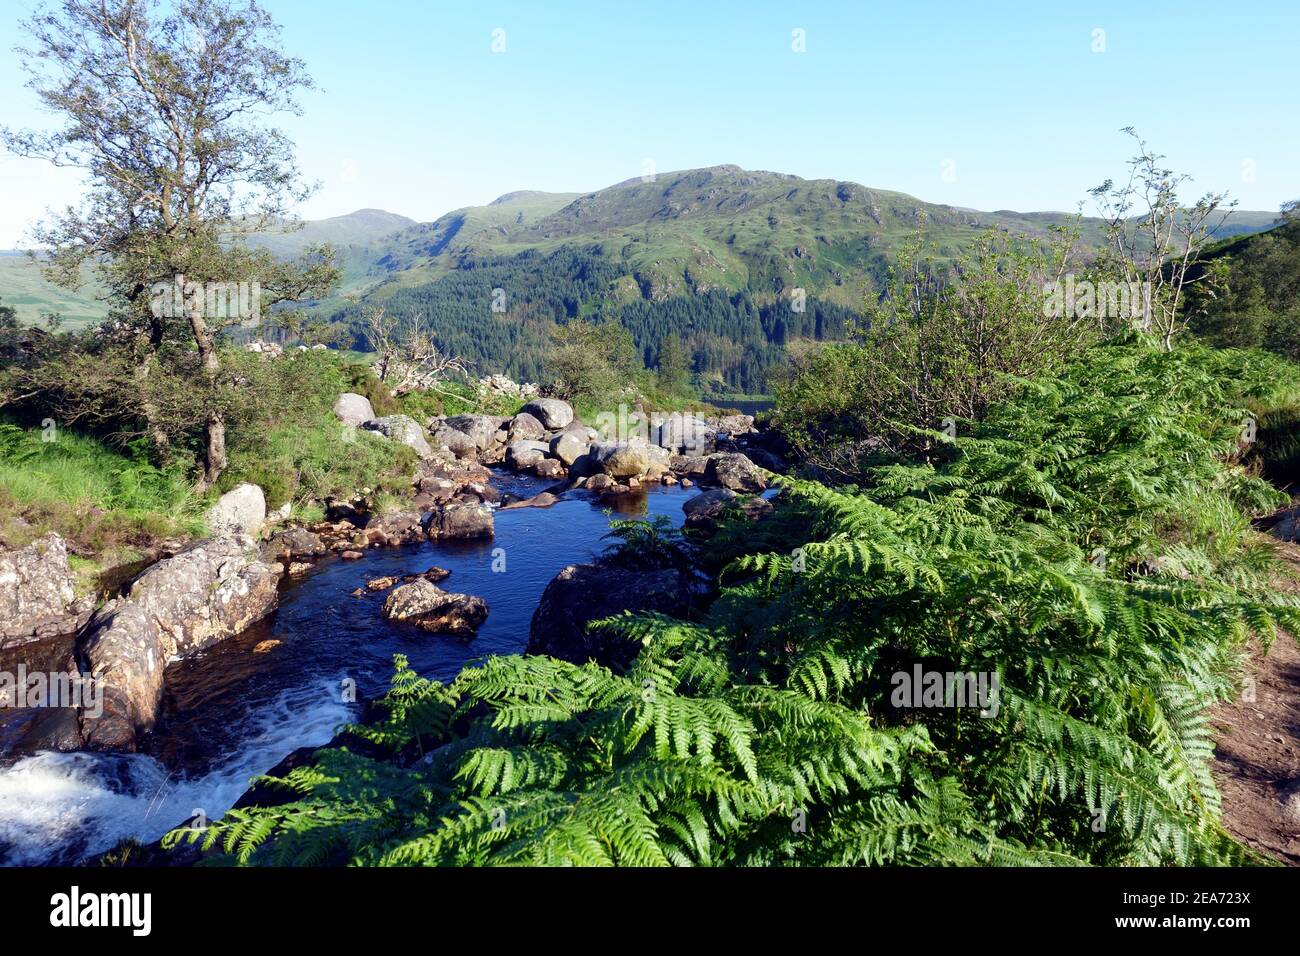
(108, 505)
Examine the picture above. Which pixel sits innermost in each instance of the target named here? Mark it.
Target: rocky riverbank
(207, 591)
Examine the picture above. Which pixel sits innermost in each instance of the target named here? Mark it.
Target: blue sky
(989, 105)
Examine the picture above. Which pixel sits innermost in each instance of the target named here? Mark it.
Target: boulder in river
(353, 409)
(207, 592)
(551, 412)
(240, 511)
(568, 447)
(432, 609)
(394, 528)
(583, 593)
(293, 543)
(736, 472)
(709, 504)
(38, 596)
(679, 432)
(525, 453)
(633, 458)
(459, 519)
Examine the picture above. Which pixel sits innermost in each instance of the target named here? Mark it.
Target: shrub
(770, 733)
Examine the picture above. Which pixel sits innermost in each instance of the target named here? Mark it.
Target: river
(229, 714)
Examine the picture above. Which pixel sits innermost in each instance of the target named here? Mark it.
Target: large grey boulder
(709, 503)
(583, 593)
(551, 412)
(480, 429)
(460, 444)
(403, 429)
(683, 433)
(623, 459)
(525, 427)
(735, 471)
(204, 594)
(38, 596)
(240, 511)
(459, 519)
(734, 425)
(293, 543)
(432, 609)
(353, 409)
(568, 447)
(525, 454)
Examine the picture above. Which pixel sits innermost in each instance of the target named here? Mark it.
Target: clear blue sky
(416, 113)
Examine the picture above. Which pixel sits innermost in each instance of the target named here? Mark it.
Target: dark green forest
(734, 341)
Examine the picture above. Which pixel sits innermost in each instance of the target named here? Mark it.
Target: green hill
(721, 231)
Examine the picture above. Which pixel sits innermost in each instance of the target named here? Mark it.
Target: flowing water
(229, 713)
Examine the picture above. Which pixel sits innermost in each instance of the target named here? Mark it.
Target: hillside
(1254, 300)
(721, 228)
(720, 231)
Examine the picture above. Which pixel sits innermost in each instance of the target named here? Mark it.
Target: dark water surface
(229, 713)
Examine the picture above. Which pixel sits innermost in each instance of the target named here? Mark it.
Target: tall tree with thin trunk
(165, 110)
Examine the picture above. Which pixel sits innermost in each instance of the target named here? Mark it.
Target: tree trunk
(214, 429)
(214, 452)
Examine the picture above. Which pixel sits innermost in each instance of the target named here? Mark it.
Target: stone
(551, 412)
(683, 432)
(394, 528)
(460, 444)
(542, 500)
(525, 454)
(381, 584)
(736, 472)
(548, 468)
(293, 543)
(734, 425)
(709, 503)
(622, 459)
(434, 574)
(263, 646)
(583, 593)
(567, 447)
(38, 595)
(459, 520)
(481, 430)
(402, 429)
(690, 466)
(351, 555)
(205, 593)
(297, 569)
(353, 409)
(240, 511)
(432, 609)
(525, 427)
